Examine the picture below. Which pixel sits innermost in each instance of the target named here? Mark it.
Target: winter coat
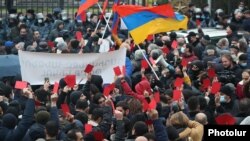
(19, 132)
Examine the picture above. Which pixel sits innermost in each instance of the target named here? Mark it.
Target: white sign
(36, 66)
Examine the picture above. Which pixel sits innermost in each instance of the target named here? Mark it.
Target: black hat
(173, 35)
(206, 37)
(227, 90)
(243, 57)
(211, 47)
(190, 34)
(9, 121)
(198, 64)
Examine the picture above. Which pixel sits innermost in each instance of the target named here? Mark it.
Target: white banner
(36, 66)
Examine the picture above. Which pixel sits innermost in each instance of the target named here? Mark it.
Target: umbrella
(9, 65)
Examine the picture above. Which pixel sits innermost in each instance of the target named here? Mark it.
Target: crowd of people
(35, 113)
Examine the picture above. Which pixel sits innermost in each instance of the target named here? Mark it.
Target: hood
(142, 86)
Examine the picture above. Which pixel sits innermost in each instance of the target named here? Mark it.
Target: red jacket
(130, 92)
(239, 90)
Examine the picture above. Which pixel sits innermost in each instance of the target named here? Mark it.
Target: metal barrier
(46, 6)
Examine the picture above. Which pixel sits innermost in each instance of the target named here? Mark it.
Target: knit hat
(139, 55)
(9, 121)
(42, 117)
(152, 46)
(206, 37)
(190, 34)
(226, 90)
(198, 64)
(155, 53)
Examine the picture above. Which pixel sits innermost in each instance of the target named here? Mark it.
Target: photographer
(230, 72)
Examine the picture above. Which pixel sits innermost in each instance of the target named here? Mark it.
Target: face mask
(40, 20)
(29, 17)
(222, 99)
(206, 9)
(241, 7)
(197, 16)
(243, 64)
(102, 32)
(182, 49)
(21, 18)
(64, 18)
(79, 21)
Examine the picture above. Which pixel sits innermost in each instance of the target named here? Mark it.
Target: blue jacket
(7, 134)
(129, 67)
(160, 130)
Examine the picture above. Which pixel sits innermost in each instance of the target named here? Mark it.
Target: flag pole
(107, 24)
(148, 63)
(103, 15)
(97, 25)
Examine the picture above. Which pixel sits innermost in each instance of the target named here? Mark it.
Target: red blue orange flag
(116, 19)
(144, 21)
(85, 4)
